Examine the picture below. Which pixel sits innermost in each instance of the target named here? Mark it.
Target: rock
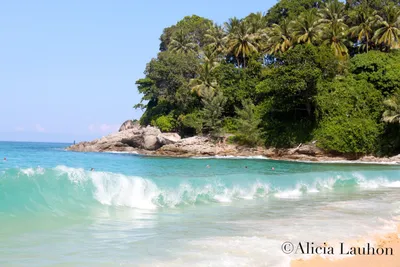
(310, 150)
(129, 124)
(168, 138)
(192, 146)
(126, 140)
(150, 141)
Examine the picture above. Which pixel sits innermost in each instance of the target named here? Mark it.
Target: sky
(68, 68)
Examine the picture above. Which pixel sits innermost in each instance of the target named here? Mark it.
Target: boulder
(192, 146)
(129, 124)
(310, 150)
(168, 138)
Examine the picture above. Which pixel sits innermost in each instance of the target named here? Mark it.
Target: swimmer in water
(5, 158)
(245, 167)
(92, 169)
(208, 166)
(273, 169)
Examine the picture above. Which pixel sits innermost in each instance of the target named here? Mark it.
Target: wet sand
(388, 241)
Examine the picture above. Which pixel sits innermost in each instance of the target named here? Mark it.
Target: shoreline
(150, 141)
(315, 160)
(390, 242)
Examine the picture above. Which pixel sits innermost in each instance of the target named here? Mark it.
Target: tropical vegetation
(307, 70)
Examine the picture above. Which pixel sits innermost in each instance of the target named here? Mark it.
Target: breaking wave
(63, 188)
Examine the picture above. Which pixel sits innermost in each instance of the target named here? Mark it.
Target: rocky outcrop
(133, 139)
(129, 124)
(192, 146)
(168, 138)
(151, 141)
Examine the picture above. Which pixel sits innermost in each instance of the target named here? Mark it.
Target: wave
(231, 157)
(63, 188)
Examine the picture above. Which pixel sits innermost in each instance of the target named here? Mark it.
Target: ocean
(134, 210)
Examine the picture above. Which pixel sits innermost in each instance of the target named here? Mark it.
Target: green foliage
(379, 68)
(194, 27)
(290, 9)
(349, 113)
(392, 109)
(166, 85)
(230, 125)
(348, 135)
(248, 121)
(290, 88)
(305, 70)
(165, 123)
(212, 112)
(191, 123)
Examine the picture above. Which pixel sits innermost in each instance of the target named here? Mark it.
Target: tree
(248, 124)
(378, 68)
(165, 87)
(289, 9)
(387, 34)
(279, 38)
(334, 28)
(306, 28)
(362, 31)
(256, 22)
(241, 43)
(348, 113)
(193, 26)
(214, 103)
(288, 92)
(392, 109)
(215, 37)
(182, 43)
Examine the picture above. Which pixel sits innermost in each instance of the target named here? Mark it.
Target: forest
(326, 72)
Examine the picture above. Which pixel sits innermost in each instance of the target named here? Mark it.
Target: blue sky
(68, 68)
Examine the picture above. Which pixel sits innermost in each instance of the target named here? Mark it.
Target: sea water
(134, 210)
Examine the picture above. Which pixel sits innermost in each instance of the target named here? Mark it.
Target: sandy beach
(388, 241)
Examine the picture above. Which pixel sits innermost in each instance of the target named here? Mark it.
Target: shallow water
(144, 211)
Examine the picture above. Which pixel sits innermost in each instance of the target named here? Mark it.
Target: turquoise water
(143, 211)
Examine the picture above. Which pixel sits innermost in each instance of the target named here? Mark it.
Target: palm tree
(306, 28)
(388, 27)
(332, 13)
(256, 22)
(392, 112)
(216, 38)
(232, 25)
(241, 42)
(205, 82)
(334, 29)
(182, 43)
(335, 36)
(279, 38)
(363, 27)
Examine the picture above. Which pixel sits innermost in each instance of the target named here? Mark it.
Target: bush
(349, 114)
(230, 125)
(191, 124)
(165, 123)
(348, 135)
(248, 122)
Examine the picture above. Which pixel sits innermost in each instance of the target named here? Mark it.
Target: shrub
(165, 123)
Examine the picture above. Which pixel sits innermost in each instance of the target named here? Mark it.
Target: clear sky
(68, 68)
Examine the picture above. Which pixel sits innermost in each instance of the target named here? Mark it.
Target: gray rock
(136, 137)
(129, 124)
(168, 138)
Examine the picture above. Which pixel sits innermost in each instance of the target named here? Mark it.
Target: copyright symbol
(287, 247)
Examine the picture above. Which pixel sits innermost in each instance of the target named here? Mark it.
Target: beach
(392, 259)
(135, 210)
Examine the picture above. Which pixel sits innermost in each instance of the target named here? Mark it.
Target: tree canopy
(306, 70)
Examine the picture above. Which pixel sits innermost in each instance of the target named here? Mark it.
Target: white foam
(32, 171)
